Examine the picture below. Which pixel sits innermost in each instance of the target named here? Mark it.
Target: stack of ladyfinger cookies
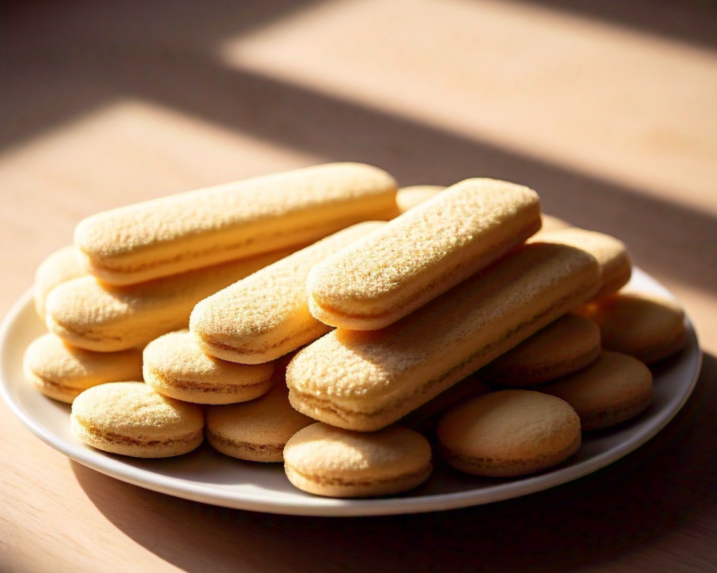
(324, 318)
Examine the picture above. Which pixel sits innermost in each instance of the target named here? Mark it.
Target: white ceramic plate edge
(318, 506)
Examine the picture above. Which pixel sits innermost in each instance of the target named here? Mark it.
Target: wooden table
(606, 108)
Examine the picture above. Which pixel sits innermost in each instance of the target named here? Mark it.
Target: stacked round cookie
(337, 355)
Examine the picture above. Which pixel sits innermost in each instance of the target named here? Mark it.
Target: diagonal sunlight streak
(610, 102)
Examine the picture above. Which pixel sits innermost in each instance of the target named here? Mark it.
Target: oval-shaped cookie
(329, 461)
(174, 365)
(564, 346)
(509, 433)
(61, 371)
(131, 419)
(256, 431)
(646, 327)
(614, 388)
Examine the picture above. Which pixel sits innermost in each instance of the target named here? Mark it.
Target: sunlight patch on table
(114, 155)
(608, 101)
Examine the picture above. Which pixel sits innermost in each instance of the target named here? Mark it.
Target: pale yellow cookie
(421, 254)
(61, 371)
(424, 418)
(266, 315)
(615, 388)
(61, 266)
(88, 314)
(366, 380)
(509, 433)
(256, 431)
(614, 259)
(564, 346)
(332, 462)
(174, 365)
(210, 226)
(131, 419)
(647, 327)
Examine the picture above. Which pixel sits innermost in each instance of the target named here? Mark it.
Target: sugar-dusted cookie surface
(509, 433)
(366, 380)
(131, 419)
(422, 254)
(176, 366)
(61, 371)
(210, 226)
(332, 462)
(85, 313)
(409, 197)
(266, 315)
(615, 388)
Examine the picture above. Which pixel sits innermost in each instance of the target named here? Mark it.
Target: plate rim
(320, 506)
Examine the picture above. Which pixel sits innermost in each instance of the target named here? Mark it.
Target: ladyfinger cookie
(365, 380)
(409, 197)
(175, 366)
(266, 315)
(210, 226)
(87, 314)
(421, 254)
(61, 266)
(611, 253)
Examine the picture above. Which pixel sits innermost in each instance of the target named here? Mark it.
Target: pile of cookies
(323, 318)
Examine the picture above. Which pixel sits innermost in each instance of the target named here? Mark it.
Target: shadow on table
(690, 21)
(640, 501)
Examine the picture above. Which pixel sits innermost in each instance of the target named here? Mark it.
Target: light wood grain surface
(606, 108)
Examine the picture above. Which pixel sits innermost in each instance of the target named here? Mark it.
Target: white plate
(210, 477)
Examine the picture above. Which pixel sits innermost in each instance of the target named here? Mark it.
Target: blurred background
(608, 108)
